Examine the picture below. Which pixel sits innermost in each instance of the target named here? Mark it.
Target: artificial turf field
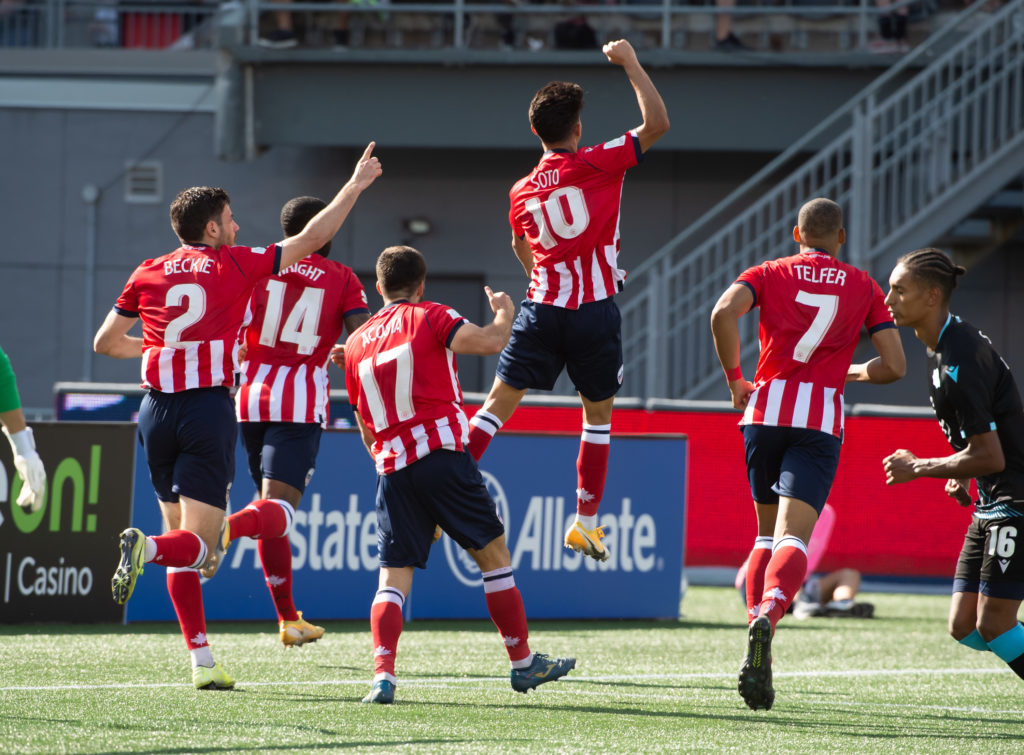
(895, 683)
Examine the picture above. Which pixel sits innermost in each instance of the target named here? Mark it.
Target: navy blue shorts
(282, 451)
(992, 559)
(189, 440)
(790, 461)
(445, 488)
(586, 341)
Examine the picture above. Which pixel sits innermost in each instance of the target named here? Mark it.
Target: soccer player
(812, 310)
(291, 325)
(23, 443)
(978, 407)
(402, 381)
(191, 303)
(565, 232)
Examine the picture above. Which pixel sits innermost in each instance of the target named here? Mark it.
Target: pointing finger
(368, 152)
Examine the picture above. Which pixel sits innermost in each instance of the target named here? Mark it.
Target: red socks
(505, 605)
(187, 596)
(482, 428)
(756, 565)
(592, 468)
(386, 627)
(276, 557)
(785, 574)
(179, 548)
(262, 519)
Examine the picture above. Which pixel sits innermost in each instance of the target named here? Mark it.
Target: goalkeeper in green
(26, 460)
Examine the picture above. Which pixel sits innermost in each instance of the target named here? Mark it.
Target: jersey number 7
(827, 305)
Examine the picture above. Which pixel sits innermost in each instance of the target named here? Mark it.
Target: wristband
(736, 373)
(22, 442)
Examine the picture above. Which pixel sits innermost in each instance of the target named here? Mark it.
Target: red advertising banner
(912, 529)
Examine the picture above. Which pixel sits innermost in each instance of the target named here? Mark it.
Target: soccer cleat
(848, 609)
(133, 559)
(382, 692)
(212, 677)
(299, 632)
(587, 542)
(755, 684)
(543, 669)
(223, 541)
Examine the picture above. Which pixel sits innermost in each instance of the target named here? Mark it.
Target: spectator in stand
(892, 29)
(725, 40)
(283, 36)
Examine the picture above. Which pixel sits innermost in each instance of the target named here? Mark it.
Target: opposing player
(191, 303)
(565, 232)
(401, 377)
(23, 443)
(978, 406)
(292, 322)
(812, 310)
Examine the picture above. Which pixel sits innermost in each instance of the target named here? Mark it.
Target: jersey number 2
(551, 218)
(827, 306)
(302, 323)
(398, 359)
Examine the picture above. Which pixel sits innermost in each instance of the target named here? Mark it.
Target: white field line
(575, 680)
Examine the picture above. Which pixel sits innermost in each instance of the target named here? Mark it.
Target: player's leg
(1001, 591)
(527, 361)
(963, 608)
(1002, 632)
(593, 358)
(763, 452)
(505, 607)
(453, 494)
(393, 587)
(500, 404)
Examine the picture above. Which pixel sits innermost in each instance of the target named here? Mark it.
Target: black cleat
(755, 685)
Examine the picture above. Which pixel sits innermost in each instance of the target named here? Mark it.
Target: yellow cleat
(299, 632)
(223, 541)
(587, 542)
(212, 677)
(133, 559)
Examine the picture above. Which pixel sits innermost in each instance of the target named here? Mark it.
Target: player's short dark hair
(555, 109)
(820, 218)
(193, 208)
(400, 270)
(933, 267)
(297, 213)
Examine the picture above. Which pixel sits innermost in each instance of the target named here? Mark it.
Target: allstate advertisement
(56, 563)
(532, 479)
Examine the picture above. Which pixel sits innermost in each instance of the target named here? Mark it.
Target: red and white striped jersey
(402, 380)
(192, 302)
(292, 321)
(568, 210)
(812, 309)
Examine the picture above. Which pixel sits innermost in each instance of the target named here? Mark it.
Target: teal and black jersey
(972, 392)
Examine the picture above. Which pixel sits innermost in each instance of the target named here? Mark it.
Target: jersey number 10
(551, 218)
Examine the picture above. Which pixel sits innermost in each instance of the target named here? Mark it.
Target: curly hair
(555, 110)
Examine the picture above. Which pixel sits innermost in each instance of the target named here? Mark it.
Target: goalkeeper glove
(30, 468)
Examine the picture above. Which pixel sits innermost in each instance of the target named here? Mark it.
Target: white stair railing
(908, 157)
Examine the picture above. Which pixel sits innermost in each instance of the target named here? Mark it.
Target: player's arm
(113, 340)
(23, 443)
(325, 224)
(725, 328)
(491, 338)
(889, 366)
(982, 456)
(652, 107)
(366, 434)
(523, 252)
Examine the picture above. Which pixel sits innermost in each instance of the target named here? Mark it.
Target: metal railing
(109, 23)
(907, 157)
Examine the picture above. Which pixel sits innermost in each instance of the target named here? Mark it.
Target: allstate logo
(461, 563)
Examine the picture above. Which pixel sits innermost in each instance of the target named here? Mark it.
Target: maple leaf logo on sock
(381, 650)
(510, 642)
(584, 495)
(199, 640)
(274, 581)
